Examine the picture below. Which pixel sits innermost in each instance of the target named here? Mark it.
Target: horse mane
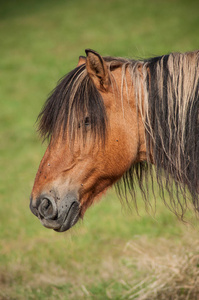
(167, 97)
(170, 113)
(74, 104)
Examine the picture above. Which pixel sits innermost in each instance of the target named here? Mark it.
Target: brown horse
(112, 118)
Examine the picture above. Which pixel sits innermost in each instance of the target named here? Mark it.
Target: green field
(113, 253)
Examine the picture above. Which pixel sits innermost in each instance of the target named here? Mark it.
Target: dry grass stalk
(171, 270)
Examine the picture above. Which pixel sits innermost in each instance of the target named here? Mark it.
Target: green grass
(40, 42)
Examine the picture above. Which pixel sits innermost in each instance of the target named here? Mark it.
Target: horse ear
(97, 69)
(82, 60)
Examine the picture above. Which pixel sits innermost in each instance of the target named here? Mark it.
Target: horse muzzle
(58, 215)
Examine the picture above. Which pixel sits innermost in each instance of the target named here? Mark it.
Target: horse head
(95, 137)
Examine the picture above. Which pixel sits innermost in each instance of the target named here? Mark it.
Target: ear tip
(87, 50)
(90, 51)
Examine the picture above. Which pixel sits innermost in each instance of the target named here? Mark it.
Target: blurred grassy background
(40, 41)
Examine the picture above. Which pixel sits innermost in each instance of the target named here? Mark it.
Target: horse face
(69, 179)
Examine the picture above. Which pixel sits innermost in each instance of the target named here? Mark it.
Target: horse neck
(132, 94)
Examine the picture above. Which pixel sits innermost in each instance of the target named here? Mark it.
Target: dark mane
(74, 105)
(171, 118)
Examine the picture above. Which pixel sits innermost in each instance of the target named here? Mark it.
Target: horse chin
(70, 220)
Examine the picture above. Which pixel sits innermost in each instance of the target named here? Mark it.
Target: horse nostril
(45, 205)
(48, 208)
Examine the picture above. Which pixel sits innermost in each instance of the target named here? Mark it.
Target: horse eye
(87, 121)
